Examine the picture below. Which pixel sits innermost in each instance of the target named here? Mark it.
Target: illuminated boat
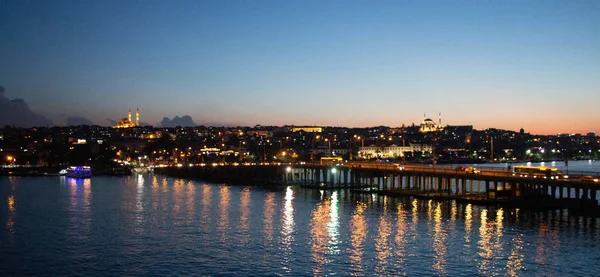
(79, 172)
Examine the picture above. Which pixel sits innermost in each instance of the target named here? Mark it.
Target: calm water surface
(584, 167)
(155, 226)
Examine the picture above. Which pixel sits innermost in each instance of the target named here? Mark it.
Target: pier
(485, 187)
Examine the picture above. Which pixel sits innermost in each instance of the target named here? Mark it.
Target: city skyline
(506, 65)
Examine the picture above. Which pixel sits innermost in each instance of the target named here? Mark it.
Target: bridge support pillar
(560, 191)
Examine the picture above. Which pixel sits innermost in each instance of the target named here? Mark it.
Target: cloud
(17, 112)
(78, 120)
(184, 121)
(111, 121)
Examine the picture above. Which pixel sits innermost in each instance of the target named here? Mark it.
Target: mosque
(127, 123)
(429, 125)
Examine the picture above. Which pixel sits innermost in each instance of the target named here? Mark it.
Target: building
(429, 125)
(391, 151)
(396, 151)
(260, 133)
(421, 147)
(370, 151)
(127, 123)
(308, 129)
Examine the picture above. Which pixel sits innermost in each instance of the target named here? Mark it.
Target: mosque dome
(428, 125)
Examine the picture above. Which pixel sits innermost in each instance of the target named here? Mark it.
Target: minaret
(129, 115)
(440, 119)
(137, 117)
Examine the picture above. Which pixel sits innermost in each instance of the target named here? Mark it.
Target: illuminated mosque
(127, 123)
(429, 125)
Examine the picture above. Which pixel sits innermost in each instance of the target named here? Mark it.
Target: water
(580, 167)
(156, 226)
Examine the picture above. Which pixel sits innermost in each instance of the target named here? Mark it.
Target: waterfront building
(391, 151)
(417, 147)
(370, 151)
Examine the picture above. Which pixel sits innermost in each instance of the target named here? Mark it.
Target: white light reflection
(287, 228)
(333, 227)
(138, 199)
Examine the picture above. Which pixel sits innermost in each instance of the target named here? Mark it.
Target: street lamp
(329, 142)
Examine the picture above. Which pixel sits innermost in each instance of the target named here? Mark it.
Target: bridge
(422, 181)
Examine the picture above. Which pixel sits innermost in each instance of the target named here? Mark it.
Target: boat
(62, 172)
(141, 170)
(79, 172)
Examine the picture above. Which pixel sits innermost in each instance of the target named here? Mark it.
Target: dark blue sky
(506, 64)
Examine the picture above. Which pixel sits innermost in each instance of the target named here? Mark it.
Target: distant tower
(440, 125)
(129, 115)
(137, 117)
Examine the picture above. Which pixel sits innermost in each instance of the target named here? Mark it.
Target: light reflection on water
(287, 228)
(333, 225)
(141, 225)
(269, 214)
(223, 222)
(358, 234)
(401, 239)
(206, 218)
(320, 236)
(382, 248)
(244, 215)
(439, 241)
(468, 224)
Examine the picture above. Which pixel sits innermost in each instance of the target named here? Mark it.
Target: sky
(501, 64)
